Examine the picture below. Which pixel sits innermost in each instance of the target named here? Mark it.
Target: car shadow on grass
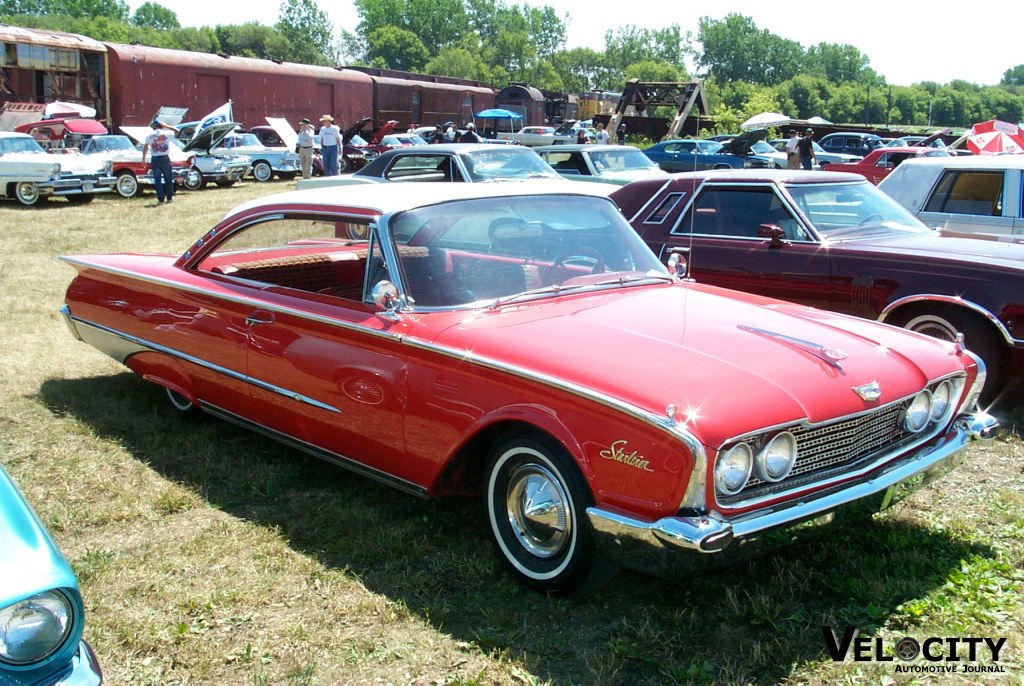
(752, 623)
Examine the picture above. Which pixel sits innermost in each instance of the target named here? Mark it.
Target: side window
(309, 254)
(739, 213)
(969, 192)
(664, 208)
(419, 168)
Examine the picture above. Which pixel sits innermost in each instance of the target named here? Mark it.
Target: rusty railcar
(423, 99)
(524, 100)
(149, 78)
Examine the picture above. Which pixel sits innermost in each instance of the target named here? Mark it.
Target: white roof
(393, 197)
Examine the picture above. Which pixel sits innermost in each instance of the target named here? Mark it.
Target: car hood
(736, 363)
(626, 176)
(31, 561)
(741, 144)
(210, 137)
(937, 247)
(40, 163)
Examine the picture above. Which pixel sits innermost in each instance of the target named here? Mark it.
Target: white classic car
(29, 174)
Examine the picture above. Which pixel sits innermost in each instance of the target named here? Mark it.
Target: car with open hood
(835, 241)
(267, 161)
(520, 343)
(30, 175)
(42, 614)
(127, 166)
(224, 169)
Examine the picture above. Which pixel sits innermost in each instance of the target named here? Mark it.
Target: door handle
(259, 317)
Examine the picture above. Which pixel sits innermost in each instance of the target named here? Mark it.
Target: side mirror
(678, 262)
(385, 296)
(773, 233)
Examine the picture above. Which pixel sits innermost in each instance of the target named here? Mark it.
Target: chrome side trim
(121, 346)
(680, 545)
(953, 300)
(318, 452)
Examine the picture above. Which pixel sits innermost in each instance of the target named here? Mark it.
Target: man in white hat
(330, 144)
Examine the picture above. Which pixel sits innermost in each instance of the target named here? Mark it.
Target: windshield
(853, 210)
(620, 160)
(484, 250)
(239, 140)
(20, 144)
(109, 143)
(505, 162)
(763, 148)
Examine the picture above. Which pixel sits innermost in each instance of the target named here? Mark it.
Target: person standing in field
(330, 144)
(305, 146)
(158, 145)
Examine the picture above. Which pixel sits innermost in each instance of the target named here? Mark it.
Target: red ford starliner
(519, 341)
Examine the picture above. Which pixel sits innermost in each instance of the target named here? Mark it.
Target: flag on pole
(221, 115)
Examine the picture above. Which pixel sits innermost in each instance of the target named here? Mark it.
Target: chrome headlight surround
(732, 469)
(108, 167)
(918, 413)
(776, 459)
(54, 172)
(35, 628)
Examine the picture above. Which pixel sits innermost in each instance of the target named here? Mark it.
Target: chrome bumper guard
(711, 541)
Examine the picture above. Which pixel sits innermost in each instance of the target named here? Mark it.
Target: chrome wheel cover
(538, 511)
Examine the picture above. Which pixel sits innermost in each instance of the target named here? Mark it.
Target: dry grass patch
(209, 555)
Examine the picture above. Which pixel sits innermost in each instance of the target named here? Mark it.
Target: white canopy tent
(764, 120)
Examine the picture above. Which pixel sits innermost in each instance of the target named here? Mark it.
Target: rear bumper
(673, 547)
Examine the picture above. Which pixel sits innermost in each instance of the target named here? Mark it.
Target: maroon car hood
(940, 249)
(736, 361)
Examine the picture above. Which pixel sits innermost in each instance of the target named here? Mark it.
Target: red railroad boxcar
(150, 78)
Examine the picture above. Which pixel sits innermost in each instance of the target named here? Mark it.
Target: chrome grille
(826, 450)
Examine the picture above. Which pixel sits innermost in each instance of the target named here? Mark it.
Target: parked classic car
(30, 174)
(42, 615)
(880, 162)
(533, 136)
(223, 170)
(692, 154)
(127, 166)
(822, 158)
(836, 242)
(60, 134)
(267, 161)
(352, 157)
(981, 195)
(851, 143)
(617, 164)
(519, 341)
(463, 162)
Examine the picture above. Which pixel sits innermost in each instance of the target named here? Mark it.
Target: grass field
(210, 555)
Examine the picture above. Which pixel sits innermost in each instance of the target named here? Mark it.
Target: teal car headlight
(34, 628)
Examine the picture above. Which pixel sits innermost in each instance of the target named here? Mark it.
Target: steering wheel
(581, 257)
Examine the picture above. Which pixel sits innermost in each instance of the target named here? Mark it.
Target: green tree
(116, 10)
(734, 49)
(309, 32)
(155, 16)
(252, 39)
(459, 63)
(1013, 76)
(834, 62)
(397, 48)
(202, 39)
(581, 69)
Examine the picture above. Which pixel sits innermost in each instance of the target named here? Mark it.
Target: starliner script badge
(869, 391)
(617, 452)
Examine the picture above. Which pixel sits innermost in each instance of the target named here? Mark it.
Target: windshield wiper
(555, 289)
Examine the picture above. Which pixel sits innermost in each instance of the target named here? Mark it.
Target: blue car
(690, 154)
(41, 610)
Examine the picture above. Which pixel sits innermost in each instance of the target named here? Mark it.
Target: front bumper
(85, 669)
(674, 547)
(74, 185)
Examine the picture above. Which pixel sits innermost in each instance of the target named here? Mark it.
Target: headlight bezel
(764, 471)
(53, 607)
(724, 467)
(918, 414)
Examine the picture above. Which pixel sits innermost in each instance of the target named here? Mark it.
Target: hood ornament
(830, 356)
(869, 392)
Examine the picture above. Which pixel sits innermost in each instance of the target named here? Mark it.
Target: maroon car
(834, 241)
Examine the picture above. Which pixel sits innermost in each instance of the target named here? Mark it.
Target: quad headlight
(918, 413)
(34, 628)
(732, 471)
(54, 172)
(776, 459)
